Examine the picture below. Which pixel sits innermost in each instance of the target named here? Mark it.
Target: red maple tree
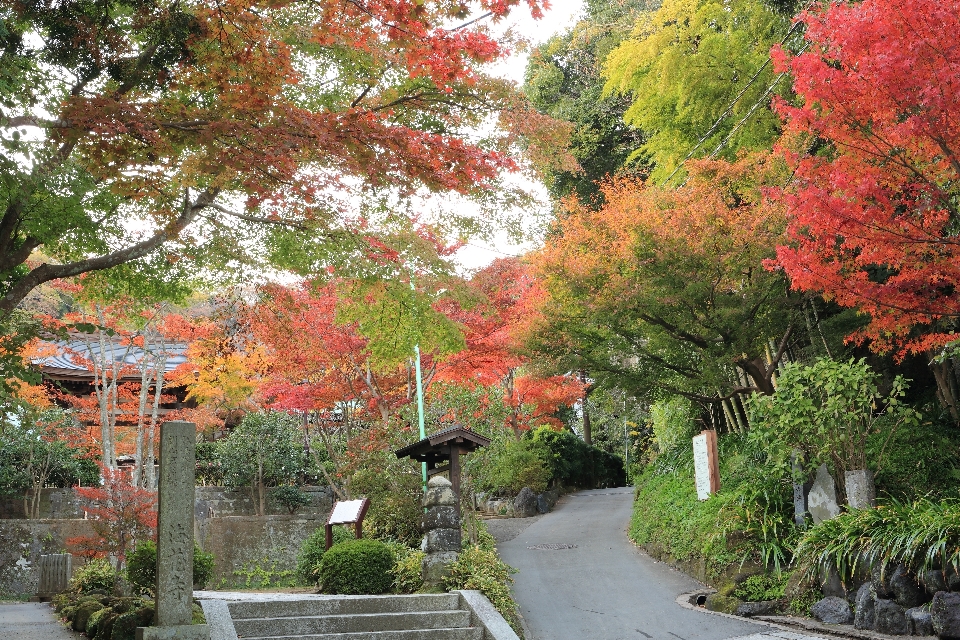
(873, 204)
(121, 514)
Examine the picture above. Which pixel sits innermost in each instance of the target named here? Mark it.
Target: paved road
(602, 587)
(32, 621)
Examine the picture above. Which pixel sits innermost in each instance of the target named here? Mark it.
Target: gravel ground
(506, 529)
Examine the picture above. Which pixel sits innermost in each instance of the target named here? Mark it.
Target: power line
(736, 99)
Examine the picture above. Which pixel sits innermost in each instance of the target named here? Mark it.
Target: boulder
(866, 615)
(921, 622)
(891, 619)
(953, 581)
(934, 580)
(832, 610)
(906, 588)
(525, 504)
(945, 615)
(880, 577)
(762, 608)
(542, 505)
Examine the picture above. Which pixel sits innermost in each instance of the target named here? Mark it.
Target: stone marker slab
(861, 489)
(822, 499)
(175, 524)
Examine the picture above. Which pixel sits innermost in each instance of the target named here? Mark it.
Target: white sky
(561, 15)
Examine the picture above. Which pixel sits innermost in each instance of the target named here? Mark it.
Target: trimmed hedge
(312, 550)
(142, 566)
(357, 567)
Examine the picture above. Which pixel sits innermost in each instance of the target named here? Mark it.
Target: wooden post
(455, 473)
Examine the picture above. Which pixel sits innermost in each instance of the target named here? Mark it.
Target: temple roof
(437, 445)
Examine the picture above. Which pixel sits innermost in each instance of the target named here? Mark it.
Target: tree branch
(47, 272)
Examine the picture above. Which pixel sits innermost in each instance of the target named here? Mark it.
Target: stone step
(350, 623)
(343, 605)
(469, 633)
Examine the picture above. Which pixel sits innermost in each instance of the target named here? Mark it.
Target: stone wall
(22, 542)
(62, 504)
(247, 549)
(250, 551)
(55, 504)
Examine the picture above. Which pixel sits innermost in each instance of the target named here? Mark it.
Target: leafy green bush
(575, 464)
(921, 461)
(515, 464)
(312, 550)
(920, 535)
(407, 569)
(98, 574)
(357, 567)
(290, 497)
(484, 571)
(209, 469)
(828, 411)
(142, 566)
(761, 587)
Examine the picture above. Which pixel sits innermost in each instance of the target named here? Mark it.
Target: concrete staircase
(444, 616)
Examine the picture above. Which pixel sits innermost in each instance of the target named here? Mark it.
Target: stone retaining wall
(22, 542)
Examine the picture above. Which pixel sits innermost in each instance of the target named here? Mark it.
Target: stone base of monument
(175, 632)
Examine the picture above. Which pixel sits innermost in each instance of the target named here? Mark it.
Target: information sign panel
(705, 464)
(346, 512)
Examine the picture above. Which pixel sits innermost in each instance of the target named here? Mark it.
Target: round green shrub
(93, 623)
(311, 552)
(142, 566)
(83, 613)
(290, 497)
(97, 574)
(104, 628)
(357, 567)
(125, 626)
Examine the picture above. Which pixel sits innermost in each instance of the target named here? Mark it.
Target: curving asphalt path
(580, 578)
(32, 621)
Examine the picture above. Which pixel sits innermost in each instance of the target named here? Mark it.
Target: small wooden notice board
(706, 464)
(347, 512)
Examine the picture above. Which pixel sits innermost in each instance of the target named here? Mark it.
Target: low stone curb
(791, 623)
(494, 625)
(839, 630)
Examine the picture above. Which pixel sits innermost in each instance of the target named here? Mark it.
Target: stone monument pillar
(441, 526)
(174, 602)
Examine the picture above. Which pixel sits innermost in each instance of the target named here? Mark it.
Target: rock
(921, 622)
(762, 608)
(861, 489)
(880, 577)
(906, 589)
(439, 493)
(891, 619)
(831, 584)
(934, 580)
(945, 615)
(832, 610)
(436, 567)
(822, 499)
(953, 581)
(866, 615)
(723, 604)
(525, 504)
(542, 505)
(442, 540)
(441, 518)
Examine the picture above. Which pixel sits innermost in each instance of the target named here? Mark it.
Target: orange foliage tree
(663, 291)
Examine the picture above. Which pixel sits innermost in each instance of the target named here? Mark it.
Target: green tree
(265, 449)
(33, 457)
(685, 66)
(563, 80)
(152, 139)
(827, 411)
